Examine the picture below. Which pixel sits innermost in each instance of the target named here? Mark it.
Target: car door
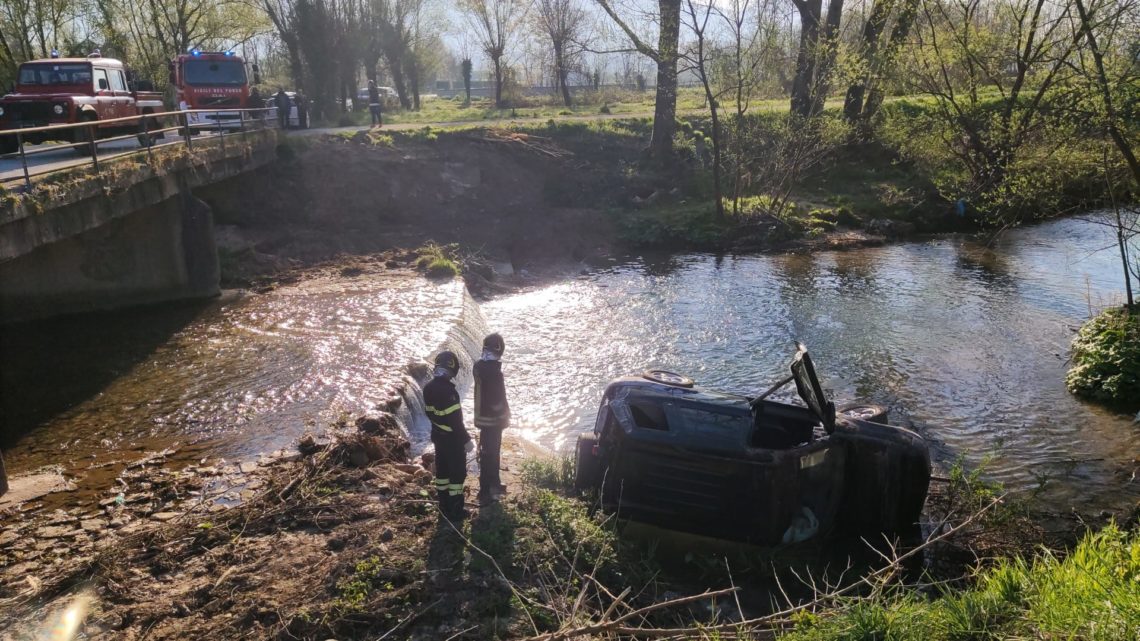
(122, 99)
(104, 95)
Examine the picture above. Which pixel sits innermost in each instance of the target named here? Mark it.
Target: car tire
(84, 149)
(8, 144)
(149, 138)
(864, 412)
(668, 378)
(587, 464)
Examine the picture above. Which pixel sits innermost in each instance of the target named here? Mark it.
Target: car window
(55, 74)
(101, 81)
(649, 416)
(117, 82)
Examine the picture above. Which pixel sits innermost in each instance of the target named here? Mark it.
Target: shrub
(1106, 359)
(437, 261)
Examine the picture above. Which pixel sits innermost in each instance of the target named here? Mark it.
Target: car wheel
(587, 463)
(86, 148)
(668, 378)
(8, 144)
(864, 412)
(149, 138)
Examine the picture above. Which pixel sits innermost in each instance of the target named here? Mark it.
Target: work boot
(487, 497)
(456, 512)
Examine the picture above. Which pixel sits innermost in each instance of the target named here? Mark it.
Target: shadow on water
(980, 263)
(53, 365)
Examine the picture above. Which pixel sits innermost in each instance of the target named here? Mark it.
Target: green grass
(1093, 594)
(438, 261)
(549, 473)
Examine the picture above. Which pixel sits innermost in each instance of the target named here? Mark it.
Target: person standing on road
(450, 437)
(281, 101)
(492, 416)
(374, 104)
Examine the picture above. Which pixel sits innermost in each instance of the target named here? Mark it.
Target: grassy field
(690, 100)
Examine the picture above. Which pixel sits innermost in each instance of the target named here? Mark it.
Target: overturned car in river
(666, 452)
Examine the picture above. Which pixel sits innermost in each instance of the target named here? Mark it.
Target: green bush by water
(1106, 359)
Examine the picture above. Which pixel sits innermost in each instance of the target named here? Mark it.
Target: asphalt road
(47, 159)
(52, 157)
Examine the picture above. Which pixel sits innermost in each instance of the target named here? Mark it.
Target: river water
(965, 342)
(228, 379)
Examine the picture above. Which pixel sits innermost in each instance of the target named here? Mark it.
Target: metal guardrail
(149, 131)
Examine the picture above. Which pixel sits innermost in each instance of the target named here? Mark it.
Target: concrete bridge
(125, 233)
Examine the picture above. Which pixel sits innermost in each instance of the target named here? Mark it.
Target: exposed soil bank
(525, 203)
(338, 197)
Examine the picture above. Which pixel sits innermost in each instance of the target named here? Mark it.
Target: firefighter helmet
(448, 362)
(494, 344)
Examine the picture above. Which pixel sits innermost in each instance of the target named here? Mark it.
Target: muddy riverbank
(341, 539)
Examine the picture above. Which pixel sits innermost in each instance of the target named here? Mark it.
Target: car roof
(108, 62)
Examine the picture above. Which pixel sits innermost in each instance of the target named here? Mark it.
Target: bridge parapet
(77, 200)
(131, 234)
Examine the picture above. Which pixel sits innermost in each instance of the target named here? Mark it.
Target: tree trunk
(560, 72)
(828, 50)
(498, 62)
(803, 84)
(1122, 242)
(414, 82)
(395, 65)
(853, 101)
(665, 109)
(899, 34)
(1122, 143)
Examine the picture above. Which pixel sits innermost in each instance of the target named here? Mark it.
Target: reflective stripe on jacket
(441, 402)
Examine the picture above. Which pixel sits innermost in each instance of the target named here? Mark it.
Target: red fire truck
(214, 81)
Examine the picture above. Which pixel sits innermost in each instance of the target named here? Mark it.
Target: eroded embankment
(330, 197)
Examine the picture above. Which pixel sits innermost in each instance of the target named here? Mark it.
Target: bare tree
(424, 45)
(562, 22)
(665, 55)
(35, 27)
(697, 20)
(283, 15)
(990, 71)
(495, 23)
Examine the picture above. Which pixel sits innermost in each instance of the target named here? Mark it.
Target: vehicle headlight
(58, 109)
(1, 111)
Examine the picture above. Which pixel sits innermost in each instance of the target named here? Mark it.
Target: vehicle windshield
(214, 72)
(52, 74)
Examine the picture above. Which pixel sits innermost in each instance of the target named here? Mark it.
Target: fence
(201, 125)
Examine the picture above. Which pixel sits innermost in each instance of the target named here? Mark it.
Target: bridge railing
(189, 127)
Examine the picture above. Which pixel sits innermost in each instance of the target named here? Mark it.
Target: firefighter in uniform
(492, 416)
(451, 440)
